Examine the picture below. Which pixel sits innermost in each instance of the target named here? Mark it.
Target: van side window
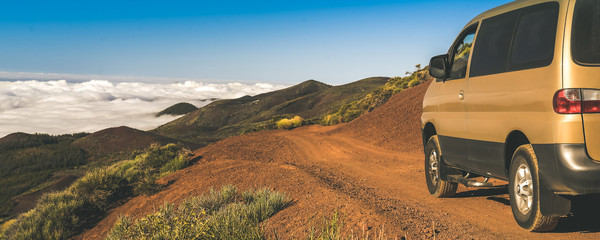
(461, 53)
(535, 36)
(493, 43)
(516, 40)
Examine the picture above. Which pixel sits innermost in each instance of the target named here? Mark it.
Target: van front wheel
(437, 187)
(524, 192)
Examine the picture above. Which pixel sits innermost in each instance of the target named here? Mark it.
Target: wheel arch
(427, 132)
(514, 139)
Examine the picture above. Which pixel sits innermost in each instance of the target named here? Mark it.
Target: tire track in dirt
(392, 184)
(380, 179)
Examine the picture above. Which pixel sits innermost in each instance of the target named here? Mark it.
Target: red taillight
(575, 100)
(567, 101)
(591, 100)
(591, 106)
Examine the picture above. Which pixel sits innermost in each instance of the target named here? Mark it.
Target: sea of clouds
(59, 107)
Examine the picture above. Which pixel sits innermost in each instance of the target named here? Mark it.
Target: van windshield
(585, 42)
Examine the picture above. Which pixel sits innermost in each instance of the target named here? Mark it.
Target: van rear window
(534, 40)
(585, 42)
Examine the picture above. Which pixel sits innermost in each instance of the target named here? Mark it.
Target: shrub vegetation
(60, 215)
(290, 123)
(222, 214)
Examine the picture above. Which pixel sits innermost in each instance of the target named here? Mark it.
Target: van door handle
(461, 95)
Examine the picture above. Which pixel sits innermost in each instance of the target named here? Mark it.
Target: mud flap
(552, 204)
(445, 170)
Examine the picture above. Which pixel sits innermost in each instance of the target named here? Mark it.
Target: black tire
(524, 192)
(437, 187)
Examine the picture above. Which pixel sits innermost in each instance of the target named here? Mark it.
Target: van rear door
(583, 70)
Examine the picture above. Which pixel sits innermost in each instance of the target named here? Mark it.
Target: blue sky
(224, 41)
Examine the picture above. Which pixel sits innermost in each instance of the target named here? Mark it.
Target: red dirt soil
(371, 170)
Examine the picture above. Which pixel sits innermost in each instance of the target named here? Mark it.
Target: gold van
(517, 98)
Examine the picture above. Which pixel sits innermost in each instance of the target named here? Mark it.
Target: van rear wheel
(437, 187)
(524, 192)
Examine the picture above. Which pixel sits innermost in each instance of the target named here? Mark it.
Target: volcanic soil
(369, 170)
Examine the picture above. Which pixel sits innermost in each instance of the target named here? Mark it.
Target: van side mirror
(438, 66)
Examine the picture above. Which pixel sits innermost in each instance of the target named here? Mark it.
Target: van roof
(509, 7)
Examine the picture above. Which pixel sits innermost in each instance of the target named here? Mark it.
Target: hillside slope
(30, 160)
(14, 137)
(400, 116)
(225, 118)
(117, 143)
(34, 164)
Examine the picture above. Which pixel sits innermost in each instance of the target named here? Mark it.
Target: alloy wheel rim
(523, 189)
(433, 167)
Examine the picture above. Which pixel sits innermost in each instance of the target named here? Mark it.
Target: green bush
(404, 85)
(156, 156)
(220, 214)
(290, 123)
(168, 223)
(100, 187)
(413, 83)
(173, 165)
(146, 184)
(215, 200)
(56, 216)
(233, 222)
(272, 123)
(130, 169)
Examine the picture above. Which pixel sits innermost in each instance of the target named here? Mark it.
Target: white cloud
(25, 76)
(58, 107)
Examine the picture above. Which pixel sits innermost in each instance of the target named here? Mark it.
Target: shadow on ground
(483, 192)
(584, 216)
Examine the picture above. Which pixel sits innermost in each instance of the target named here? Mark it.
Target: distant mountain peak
(181, 108)
(312, 81)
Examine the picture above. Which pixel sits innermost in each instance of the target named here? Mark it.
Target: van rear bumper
(567, 169)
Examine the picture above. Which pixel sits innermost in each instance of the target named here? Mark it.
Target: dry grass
(220, 214)
(332, 228)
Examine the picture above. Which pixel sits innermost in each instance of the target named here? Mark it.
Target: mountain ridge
(225, 118)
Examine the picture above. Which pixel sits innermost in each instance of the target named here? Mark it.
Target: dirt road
(370, 170)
